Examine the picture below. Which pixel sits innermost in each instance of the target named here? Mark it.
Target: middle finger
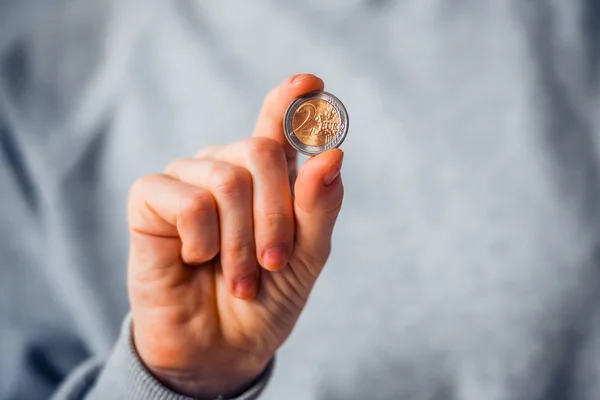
(272, 199)
(231, 187)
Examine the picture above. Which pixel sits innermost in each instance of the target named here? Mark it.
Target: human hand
(223, 257)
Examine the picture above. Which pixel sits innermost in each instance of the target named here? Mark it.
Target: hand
(223, 258)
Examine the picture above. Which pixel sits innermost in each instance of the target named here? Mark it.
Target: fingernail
(301, 77)
(245, 287)
(332, 174)
(276, 257)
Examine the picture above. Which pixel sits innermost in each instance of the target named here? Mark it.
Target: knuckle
(174, 166)
(197, 203)
(230, 179)
(199, 252)
(142, 184)
(276, 217)
(212, 250)
(243, 254)
(279, 222)
(336, 205)
(207, 152)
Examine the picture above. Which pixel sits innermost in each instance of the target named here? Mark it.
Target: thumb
(319, 194)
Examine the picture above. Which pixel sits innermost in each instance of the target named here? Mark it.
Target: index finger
(270, 119)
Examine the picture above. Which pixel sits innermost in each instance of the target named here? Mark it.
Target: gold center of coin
(315, 122)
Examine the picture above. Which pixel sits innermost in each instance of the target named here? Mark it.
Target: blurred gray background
(465, 260)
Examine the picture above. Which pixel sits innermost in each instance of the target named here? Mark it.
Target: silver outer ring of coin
(340, 135)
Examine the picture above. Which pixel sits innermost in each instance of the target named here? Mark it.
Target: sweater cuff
(125, 376)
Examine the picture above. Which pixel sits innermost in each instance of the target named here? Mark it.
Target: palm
(262, 324)
(209, 317)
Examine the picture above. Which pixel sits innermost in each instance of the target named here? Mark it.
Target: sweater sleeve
(123, 377)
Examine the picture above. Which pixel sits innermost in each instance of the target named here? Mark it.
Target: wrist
(199, 374)
(225, 379)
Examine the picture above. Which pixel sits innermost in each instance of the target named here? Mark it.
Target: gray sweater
(466, 261)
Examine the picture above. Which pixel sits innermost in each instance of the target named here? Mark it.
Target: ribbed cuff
(125, 377)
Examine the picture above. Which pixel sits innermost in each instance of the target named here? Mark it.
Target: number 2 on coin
(310, 118)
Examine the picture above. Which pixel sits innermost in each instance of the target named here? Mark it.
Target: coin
(315, 122)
